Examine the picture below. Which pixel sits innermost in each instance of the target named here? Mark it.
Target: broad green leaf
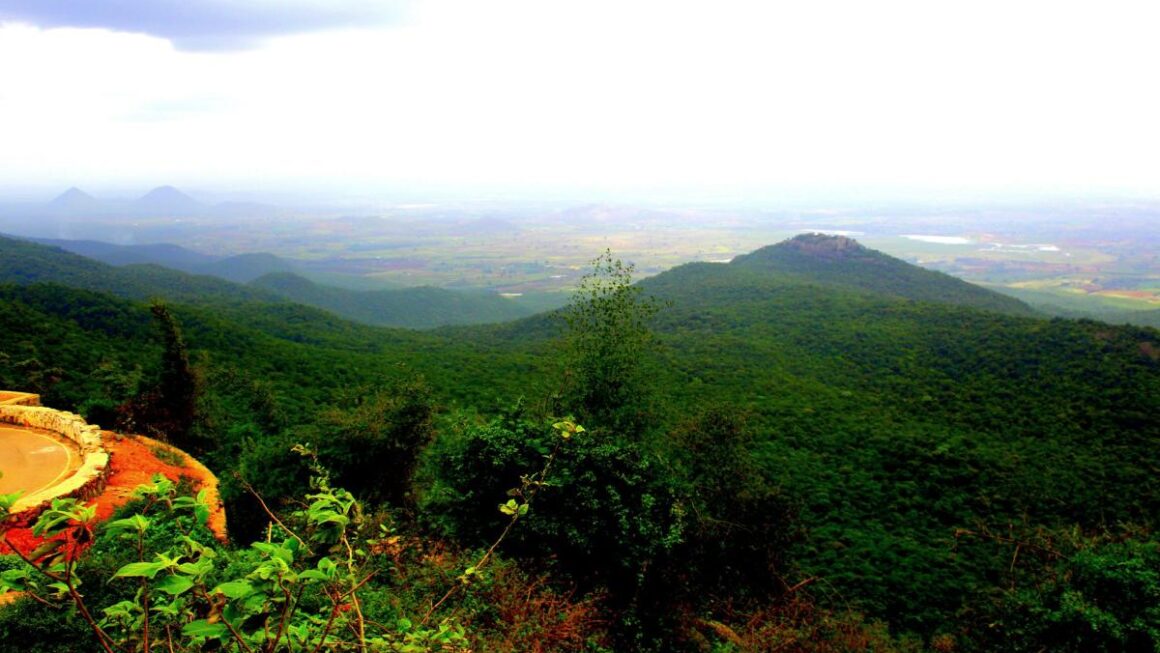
(234, 589)
(136, 524)
(200, 568)
(171, 609)
(139, 570)
(312, 574)
(202, 628)
(174, 585)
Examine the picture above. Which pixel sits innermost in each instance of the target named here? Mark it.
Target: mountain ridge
(844, 262)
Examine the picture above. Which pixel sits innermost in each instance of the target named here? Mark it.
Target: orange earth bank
(132, 463)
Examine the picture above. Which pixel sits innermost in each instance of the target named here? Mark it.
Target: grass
(168, 456)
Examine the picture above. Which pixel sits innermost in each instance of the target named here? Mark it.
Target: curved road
(31, 461)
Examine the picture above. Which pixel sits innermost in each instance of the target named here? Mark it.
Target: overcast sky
(341, 94)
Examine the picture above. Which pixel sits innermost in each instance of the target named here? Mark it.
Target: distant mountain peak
(844, 262)
(166, 193)
(74, 197)
(825, 246)
(167, 199)
(812, 248)
(73, 192)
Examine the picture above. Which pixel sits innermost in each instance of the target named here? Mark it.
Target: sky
(350, 96)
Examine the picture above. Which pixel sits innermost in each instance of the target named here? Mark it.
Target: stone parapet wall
(89, 480)
(9, 398)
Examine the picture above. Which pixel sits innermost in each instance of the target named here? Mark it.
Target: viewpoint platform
(32, 460)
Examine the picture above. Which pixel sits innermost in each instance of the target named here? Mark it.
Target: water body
(941, 240)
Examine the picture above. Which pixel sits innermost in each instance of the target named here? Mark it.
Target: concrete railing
(9, 398)
(22, 409)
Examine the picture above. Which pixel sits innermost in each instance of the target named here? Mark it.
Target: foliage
(167, 409)
(1093, 594)
(876, 426)
(844, 263)
(372, 442)
(297, 593)
(607, 343)
(607, 520)
(740, 526)
(414, 308)
(797, 624)
(607, 514)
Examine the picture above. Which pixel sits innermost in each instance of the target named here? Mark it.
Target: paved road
(31, 461)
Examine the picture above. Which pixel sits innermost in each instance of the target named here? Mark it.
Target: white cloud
(890, 93)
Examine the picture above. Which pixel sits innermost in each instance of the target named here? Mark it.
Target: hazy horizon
(831, 100)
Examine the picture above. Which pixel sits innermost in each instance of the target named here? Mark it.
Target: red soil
(131, 463)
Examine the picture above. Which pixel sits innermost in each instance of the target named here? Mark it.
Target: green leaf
(136, 524)
(255, 603)
(200, 568)
(7, 500)
(174, 585)
(326, 571)
(14, 580)
(60, 589)
(204, 629)
(276, 551)
(139, 570)
(121, 609)
(171, 609)
(234, 589)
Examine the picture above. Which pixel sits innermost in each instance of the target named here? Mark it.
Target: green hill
(167, 255)
(843, 262)
(944, 454)
(244, 268)
(241, 268)
(416, 308)
(27, 262)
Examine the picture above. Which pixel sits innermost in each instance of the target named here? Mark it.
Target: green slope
(241, 268)
(416, 308)
(899, 427)
(167, 255)
(26, 262)
(843, 262)
(244, 268)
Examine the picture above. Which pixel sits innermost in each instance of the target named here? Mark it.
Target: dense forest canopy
(815, 438)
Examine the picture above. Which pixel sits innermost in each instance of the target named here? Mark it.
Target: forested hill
(843, 262)
(25, 262)
(416, 308)
(240, 268)
(167, 255)
(949, 470)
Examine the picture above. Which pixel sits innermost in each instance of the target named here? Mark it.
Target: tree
(606, 347)
(373, 443)
(168, 409)
(741, 526)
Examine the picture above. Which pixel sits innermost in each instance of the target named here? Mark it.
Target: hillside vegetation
(815, 447)
(267, 278)
(415, 308)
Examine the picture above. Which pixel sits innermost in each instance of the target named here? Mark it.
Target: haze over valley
(1073, 257)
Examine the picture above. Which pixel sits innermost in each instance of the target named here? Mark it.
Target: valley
(813, 411)
(1079, 258)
